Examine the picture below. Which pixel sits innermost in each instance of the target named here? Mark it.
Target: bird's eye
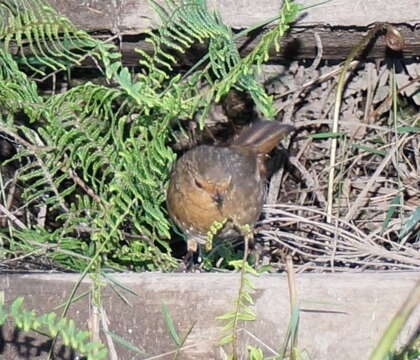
(198, 183)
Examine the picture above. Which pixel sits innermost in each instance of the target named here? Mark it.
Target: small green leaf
(229, 325)
(255, 353)
(247, 297)
(15, 308)
(326, 135)
(395, 203)
(369, 149)
(265, 268)
(226, 340)
(227, 316)
(412, 221)
(170, 324)
(98, 355)
(247, 317)
(408, 129)
(3, 316)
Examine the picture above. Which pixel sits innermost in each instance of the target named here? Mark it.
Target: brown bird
(212, 184)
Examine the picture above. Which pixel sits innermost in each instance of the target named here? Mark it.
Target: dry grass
(377, 174)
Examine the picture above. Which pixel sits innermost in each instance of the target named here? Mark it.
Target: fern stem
(337, 106)
(238, 308)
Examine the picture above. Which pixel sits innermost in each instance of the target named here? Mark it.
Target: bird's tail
(262, 136)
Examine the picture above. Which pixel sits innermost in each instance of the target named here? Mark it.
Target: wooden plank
(343, 314)
(339, 23)
(136, 16)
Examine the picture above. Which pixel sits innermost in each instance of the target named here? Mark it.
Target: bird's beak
(218, 198)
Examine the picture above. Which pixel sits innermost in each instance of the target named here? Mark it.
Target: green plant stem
(184, 339)
(394, 328)
(241, 287)
(394, 93)
(339, 94)
(291, 280)
(73, 293)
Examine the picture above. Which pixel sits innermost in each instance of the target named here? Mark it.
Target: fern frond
(260, 54)
(52, 325)
(44, 39)
(185, 22)
(242, 306)
(16, 91)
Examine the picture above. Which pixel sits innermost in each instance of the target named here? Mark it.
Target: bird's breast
(211, 184)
